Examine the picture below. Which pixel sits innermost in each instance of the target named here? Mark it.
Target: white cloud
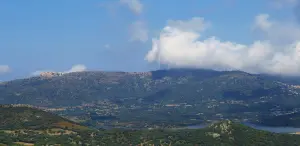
(4, 69)
(138, 31)
(195, 24)
(134, 5)
(77, 68)
(74, 68)
(262, 22)
(179, 45)
(37, 73)
(278, 32)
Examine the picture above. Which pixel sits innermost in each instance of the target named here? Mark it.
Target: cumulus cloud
(180, 45)
(278, 32)
(138, 31)
(134, 5)
(4, 69)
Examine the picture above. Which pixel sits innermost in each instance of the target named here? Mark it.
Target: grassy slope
(30, 118)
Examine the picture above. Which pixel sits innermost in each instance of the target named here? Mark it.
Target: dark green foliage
(27, 118)
(289, 120)
(223, 133)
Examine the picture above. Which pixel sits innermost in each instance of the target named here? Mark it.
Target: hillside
(286, 120)
(220, 133)
(160, 98)
(86, 87)
(30, 118)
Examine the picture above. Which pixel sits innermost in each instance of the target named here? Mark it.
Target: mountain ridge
(175, 95)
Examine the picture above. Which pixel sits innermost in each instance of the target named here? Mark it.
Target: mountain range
(163, 95)
(175, 85)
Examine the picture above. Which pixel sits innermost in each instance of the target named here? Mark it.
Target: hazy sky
(133, 35)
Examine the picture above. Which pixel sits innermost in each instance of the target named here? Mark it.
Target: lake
(274, 129)
(259, 127)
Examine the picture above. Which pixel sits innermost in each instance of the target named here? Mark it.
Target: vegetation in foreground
(222, 133)
(30, 118)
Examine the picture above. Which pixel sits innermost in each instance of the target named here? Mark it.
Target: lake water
(274, 129)
(259, 127)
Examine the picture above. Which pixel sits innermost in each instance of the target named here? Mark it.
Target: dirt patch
(69, 125)
(24, 143)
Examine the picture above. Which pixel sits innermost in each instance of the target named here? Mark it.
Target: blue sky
(114, 34)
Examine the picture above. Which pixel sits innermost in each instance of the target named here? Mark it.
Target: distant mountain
(158, 98)
(226, 132)
(175, 85)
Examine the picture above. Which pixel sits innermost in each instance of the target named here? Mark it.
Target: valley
(150, 73)
(165, 107)
(109, 115)
(43, 128)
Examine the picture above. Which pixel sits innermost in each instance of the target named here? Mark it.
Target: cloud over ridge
(74, 68)
(180, 45)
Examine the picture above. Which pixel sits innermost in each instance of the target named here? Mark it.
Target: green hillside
(30, 118)
(220, 133)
